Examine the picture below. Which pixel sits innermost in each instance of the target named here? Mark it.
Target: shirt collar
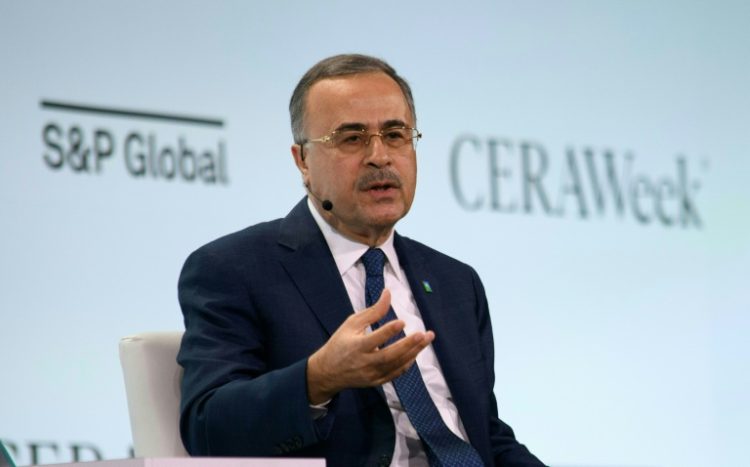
(347, 252)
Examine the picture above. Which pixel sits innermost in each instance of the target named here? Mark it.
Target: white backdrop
(621, 338)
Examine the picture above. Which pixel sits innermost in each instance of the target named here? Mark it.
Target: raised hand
(352, 358)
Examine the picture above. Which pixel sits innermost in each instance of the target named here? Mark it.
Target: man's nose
(377, 152)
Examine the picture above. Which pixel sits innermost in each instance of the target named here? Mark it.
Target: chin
(386, 219)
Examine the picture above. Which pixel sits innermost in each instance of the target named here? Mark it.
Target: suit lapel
(430, 304)
(427, 291)
(436, 318)
(311, 266)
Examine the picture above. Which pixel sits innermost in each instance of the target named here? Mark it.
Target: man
(291, 344)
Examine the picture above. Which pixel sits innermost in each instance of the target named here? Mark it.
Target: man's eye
(395, 135)
(351, 139)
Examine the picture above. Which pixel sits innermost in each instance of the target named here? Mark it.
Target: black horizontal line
(56, 105)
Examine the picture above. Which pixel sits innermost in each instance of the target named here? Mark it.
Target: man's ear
(299, 161)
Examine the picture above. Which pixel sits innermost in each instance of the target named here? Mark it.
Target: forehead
(369, 99)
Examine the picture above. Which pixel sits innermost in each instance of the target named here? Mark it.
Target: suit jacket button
(384, 461)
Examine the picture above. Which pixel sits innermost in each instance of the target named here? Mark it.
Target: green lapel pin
(426, 286)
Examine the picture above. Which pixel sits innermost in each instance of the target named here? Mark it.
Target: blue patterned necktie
(442, 446)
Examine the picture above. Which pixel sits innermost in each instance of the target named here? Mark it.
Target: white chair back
(152, 383)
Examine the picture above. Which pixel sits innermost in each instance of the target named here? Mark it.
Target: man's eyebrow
(361, 126)
(394, 123)
(351, 126)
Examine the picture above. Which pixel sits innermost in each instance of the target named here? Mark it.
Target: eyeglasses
(352, 141)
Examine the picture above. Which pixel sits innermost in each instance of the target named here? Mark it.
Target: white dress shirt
(347, 253)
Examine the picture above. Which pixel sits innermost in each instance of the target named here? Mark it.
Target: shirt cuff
(319, 410)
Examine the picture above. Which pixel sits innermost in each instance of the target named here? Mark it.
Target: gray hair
(331, 67)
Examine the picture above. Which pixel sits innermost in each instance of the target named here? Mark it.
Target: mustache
(379, 177)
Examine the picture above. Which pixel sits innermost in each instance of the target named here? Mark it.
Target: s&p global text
(144, 154)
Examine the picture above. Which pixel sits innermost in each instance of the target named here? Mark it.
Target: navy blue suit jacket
(259, 302)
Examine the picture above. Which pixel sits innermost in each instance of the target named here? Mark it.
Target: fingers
(374, 313)
(395, 359)
(380, 336)
(406, 349)
(397, 372)
(387, 359)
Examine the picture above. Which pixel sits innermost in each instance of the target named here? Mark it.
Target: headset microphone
(325, 203)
